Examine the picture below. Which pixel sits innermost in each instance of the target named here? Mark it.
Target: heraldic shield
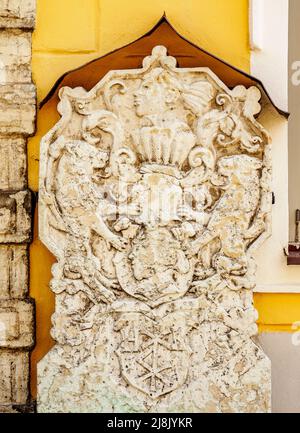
(154, 191)
(154, 353)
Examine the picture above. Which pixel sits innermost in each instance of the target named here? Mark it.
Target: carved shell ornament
(154, 190)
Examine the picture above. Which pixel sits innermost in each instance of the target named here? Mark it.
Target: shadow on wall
(284, 351)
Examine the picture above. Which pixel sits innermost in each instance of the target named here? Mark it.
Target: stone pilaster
(17, 122)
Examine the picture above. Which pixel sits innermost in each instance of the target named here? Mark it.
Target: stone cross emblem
(154, 192)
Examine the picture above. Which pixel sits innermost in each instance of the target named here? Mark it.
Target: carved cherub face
(155, 94)
(148, 99)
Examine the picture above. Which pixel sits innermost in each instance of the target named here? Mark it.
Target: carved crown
(164, 145)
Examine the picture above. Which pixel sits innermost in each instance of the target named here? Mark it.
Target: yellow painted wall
(70, 33)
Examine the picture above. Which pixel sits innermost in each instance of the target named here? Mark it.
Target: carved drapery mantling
(154, 192)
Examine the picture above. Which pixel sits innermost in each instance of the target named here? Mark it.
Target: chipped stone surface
(13, 163)
(15, 216)
(14, 379)
(154, 192)
(7, 408)
(29, 407)
(17, 105)
(17, 13)
(16, 324)
(17, 121)
(14, 271)
(15, 57)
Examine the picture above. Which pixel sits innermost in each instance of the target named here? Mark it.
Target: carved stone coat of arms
(154, 191)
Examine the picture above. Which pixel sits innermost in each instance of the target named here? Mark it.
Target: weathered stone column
(17, 122)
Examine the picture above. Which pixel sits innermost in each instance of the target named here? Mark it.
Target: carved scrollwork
(154, 192)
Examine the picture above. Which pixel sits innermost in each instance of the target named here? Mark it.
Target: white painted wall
(284, 351)
(269, 38)
(273, 274)
(294, 107)
(269, 32)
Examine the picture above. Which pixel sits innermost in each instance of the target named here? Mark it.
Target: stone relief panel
(154, 192)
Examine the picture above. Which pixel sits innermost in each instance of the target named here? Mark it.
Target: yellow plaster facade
(70, 33)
